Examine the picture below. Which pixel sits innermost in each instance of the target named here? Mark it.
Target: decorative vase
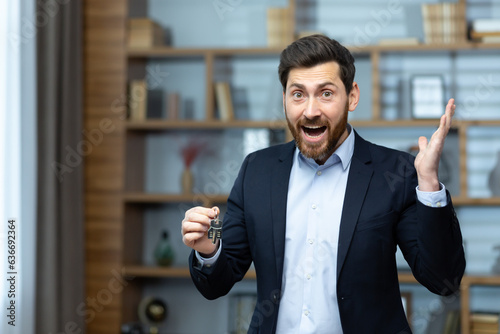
(494, 178)
(187, 181)
(164, 253)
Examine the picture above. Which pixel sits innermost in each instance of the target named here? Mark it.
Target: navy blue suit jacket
(380, 212)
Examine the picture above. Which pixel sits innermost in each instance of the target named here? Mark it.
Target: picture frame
(427, 96)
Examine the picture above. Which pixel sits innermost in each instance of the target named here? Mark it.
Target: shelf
(166, 272)
(159, 125)
(159, 272)
(406, 277)
(166, 51)
(461, 201)
(487, 279)
(468, 279)
(147, 198)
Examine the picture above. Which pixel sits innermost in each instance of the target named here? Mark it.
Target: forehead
(326, 72)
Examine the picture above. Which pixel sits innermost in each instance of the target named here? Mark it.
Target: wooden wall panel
(105, 83)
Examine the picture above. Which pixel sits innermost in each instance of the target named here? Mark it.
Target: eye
(297, 95)
(327, 93)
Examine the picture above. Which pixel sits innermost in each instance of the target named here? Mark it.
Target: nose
(312, 109)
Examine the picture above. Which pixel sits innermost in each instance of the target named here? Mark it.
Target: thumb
(216, 211)
(422, 143)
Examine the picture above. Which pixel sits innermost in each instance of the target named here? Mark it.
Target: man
(321, 217)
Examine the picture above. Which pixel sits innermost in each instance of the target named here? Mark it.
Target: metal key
(215, 230)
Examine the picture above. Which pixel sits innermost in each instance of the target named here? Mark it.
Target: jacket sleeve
(431, 242)
(235, 258)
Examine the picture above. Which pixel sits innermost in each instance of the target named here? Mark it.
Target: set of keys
(215, 230)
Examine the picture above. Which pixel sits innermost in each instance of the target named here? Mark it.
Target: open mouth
(314, 132)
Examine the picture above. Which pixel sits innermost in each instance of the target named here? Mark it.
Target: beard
(322, 150)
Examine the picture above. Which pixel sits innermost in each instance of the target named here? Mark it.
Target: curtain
(60, 226)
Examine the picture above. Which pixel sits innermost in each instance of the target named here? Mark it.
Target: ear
(284, 102)
(354, 97)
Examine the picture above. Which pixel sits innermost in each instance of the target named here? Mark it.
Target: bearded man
(321, 216)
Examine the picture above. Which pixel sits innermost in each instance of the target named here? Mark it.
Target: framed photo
(427, 96)
(406, 300)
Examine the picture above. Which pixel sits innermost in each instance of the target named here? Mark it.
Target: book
(144, 33)
(137, 100)
(155, 101)
(172, 105)
(224, 101)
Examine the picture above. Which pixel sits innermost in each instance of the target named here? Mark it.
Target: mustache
(313, 122)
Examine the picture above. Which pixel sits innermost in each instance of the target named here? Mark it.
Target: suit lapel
(280, 177)
(360, 174)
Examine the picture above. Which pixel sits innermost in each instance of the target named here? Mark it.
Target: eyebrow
(321, 85)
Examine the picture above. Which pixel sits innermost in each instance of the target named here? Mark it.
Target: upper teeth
(313, 127)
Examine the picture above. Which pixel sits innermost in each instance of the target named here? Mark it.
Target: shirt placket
(310, 270)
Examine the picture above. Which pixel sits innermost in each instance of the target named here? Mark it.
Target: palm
(427, 159)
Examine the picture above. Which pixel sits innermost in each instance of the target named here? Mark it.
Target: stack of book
(485, 323)
(444, 23)
(144, 33)
(279, 27)
(486, 30)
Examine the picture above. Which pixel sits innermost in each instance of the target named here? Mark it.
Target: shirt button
(306, 313)
(318, 173)
(310, 241)
(314, 206)
(308, 276)
(438, 204)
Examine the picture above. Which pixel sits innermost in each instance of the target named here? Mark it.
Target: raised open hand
(427, 160)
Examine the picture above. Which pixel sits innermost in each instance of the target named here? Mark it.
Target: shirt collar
(343, 154)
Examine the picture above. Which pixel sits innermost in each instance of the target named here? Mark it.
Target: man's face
(316, 107)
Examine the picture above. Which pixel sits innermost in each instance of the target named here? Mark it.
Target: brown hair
(313, 50)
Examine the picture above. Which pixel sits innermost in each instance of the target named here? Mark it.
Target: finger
(191, 238)
(450, 111)
(188, 227)
(197, 218)
(209, 212)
